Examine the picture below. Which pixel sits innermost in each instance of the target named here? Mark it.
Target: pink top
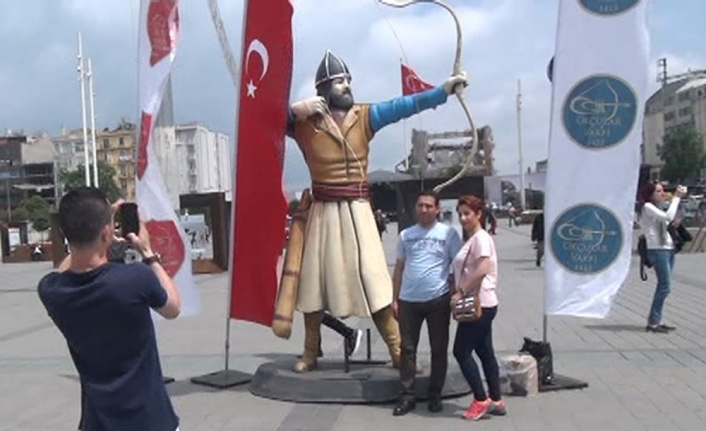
(481, 245)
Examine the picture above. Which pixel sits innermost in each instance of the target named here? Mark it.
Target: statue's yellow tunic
(344, 270)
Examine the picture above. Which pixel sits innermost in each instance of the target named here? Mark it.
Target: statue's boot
(312, 338)
(389, 330)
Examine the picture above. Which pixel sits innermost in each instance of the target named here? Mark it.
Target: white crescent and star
(261, 50)
(412, 82)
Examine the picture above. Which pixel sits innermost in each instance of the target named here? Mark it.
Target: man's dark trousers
(437, 314)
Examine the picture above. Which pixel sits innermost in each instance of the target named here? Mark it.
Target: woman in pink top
(478, 276)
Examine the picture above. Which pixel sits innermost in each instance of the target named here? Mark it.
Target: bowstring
(392, 29)
(406, 61)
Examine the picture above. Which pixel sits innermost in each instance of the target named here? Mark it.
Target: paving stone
(637, 380)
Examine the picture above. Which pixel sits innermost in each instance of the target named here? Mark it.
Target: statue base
(364, 383)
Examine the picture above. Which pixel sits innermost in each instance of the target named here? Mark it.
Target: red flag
(411, 82)
(260, 206)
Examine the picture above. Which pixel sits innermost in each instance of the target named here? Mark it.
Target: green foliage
(683, 155)
(106, 179)
(293, 206)
(37, 212)
(19, 214)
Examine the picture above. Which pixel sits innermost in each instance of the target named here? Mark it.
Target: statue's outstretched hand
(453, 81)
(306, 108)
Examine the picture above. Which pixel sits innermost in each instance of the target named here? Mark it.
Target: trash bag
(518, 375)
(542, 353)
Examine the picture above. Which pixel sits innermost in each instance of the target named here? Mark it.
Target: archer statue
(337, 265)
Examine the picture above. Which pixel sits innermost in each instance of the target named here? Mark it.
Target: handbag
(680, 236)
(467, 308)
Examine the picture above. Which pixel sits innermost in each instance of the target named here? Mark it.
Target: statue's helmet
(331, 67)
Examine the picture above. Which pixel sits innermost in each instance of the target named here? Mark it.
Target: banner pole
(545, 323)
(228, 378)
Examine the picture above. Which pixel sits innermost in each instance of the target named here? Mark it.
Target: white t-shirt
(654, 222)
(481, 245)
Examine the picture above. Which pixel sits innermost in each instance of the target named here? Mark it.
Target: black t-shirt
(104, 314)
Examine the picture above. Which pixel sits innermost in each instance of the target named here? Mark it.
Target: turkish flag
(260, 206)
(411, 82)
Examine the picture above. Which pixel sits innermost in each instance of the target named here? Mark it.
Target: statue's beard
(343, 101)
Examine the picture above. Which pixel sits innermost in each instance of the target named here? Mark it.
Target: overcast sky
(504, 40)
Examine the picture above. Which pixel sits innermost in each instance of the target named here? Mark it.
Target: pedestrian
(538, 237)
(660, 247)
(421, 293)
(102, 309)
(475, 269)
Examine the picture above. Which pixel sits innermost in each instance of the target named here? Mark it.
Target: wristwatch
(152, 259)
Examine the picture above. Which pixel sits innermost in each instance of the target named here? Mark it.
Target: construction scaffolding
(443, 154)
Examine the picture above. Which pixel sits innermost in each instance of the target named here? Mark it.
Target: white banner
(600, 77)
(159, 30)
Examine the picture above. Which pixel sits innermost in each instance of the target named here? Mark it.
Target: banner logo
(167, 241)
(586, 239)
(608, 7)
(600, 111)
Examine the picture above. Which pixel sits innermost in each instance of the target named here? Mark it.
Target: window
(123, 184)
(669, 101)
(122, 142)
(685, 111)
(683, 96)
(669, 116)
(123, 170)
(106, 143)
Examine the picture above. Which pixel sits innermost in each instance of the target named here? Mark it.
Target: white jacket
(653, 222)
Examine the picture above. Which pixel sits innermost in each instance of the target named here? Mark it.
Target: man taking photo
(421, 292)
(102, 309)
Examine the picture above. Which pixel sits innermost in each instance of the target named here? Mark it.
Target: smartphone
(129, 219)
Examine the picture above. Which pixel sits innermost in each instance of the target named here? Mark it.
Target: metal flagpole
(81, 80)
(519, 144)
(93, 123)
(227, 378)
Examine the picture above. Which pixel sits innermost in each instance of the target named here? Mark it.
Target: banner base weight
(561, 383)
(223, 379)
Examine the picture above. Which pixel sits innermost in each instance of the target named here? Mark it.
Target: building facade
(27, 168)
(117, 149)
(205, 159)
(678, 103)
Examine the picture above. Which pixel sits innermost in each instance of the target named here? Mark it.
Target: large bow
(459, 89)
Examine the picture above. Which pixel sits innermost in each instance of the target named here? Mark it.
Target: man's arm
(397, 279)
(392, 111)
(141, 243)
(385, 113)
(172, 308)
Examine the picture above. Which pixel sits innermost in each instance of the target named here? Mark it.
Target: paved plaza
(638, 381)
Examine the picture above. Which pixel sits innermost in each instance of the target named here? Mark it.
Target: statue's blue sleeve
(385, 113)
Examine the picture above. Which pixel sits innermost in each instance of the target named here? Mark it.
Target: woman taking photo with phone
(660, 247)
(476, 274)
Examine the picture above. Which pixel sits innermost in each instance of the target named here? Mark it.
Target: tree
(37, 210)
(293, 206)
(683, 155)
(106, 179)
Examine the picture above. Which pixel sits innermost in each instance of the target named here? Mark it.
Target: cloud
(504, 40)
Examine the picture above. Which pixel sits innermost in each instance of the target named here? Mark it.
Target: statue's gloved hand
(306, 108)
(453, 81)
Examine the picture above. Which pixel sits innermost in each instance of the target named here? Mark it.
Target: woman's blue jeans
(663, 263)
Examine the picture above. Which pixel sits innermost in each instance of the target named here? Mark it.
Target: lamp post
(7, 163)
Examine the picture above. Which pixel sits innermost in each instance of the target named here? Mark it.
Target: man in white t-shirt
(421, 292)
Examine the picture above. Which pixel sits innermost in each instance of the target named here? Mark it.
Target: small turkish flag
(411, 82)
